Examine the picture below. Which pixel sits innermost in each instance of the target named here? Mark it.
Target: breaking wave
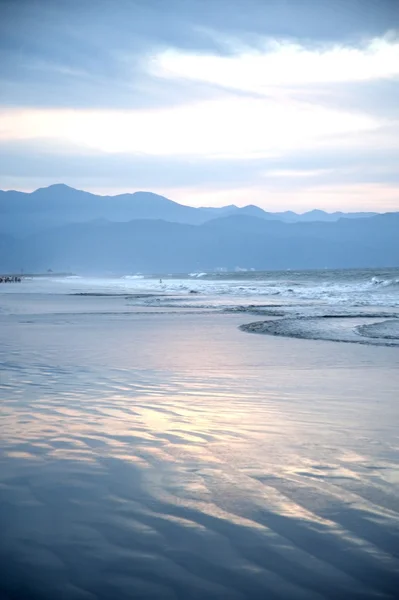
(367, 328)
(355, 288)
(375, 281)
(385, 330)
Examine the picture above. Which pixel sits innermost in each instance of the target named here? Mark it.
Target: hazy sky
(288, 104)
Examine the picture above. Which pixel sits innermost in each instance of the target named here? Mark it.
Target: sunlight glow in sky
(236, 127)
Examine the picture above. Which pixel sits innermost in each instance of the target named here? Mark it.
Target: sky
(287, 104)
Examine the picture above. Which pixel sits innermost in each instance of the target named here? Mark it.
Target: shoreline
(36, 275)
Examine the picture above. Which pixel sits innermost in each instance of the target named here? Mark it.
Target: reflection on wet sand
(135, 481)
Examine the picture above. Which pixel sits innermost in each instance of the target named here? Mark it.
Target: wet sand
(175, 456)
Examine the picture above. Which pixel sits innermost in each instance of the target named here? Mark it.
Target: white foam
(384, 282)
(340, 291)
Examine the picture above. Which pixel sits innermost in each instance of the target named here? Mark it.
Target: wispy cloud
(281, 63)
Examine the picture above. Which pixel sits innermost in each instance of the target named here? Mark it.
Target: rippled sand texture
(168, 456)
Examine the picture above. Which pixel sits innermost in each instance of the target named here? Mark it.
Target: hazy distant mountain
(71, 230)
(321, 215)
(59, 204)
(231, 241)
(23, 213)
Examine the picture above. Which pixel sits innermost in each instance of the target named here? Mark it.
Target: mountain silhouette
(149, 245)
(24, 213)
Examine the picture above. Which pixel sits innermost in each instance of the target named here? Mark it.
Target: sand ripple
(127, 487)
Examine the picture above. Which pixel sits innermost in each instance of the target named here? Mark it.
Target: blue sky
(288, 104)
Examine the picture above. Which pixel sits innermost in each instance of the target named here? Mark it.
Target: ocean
(153, 446)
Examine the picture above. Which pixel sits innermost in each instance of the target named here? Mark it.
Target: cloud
(248, 99)
(70, 53)
(282, 64)
(33, 158)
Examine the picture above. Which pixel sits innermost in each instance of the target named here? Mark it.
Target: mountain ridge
(155, 245)
(22, 213)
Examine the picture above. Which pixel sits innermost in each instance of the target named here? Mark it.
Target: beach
(150, 448)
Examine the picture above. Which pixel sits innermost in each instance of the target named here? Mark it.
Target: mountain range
(23, 213)
(70, 230)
